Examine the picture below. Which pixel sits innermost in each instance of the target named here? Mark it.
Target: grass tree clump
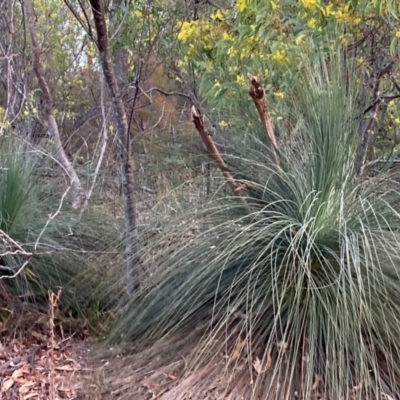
(41, 247)
(293, 292)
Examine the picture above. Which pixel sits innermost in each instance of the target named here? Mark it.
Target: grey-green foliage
(58, 251)
(307, 280)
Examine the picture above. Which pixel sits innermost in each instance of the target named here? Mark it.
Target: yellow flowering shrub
(312, 23)
(310, 3)
(241, 6)
(187, 30)
(270, 38)
(279, 56)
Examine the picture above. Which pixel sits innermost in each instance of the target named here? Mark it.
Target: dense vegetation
(235, 244)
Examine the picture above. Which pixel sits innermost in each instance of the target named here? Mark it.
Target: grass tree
(296, 295)
(38, 250)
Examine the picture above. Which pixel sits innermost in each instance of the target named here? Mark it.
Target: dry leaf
(65, 368)
(7, 385)
(269, 361)
(18, 373)
(282, 345)
(38, 336)
(240, 187)
(173, 377)
(30, 395)
(25, 387)
(237, 349)
(318, 379)
(257, 365)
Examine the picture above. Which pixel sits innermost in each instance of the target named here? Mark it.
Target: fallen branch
(216, 156)
(257, 94)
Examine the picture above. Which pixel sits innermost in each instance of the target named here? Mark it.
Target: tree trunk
(125, 163)
(60, 155)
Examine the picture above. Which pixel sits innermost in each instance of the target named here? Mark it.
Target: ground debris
(26, 367)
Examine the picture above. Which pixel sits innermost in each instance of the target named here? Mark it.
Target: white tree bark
(60, 155)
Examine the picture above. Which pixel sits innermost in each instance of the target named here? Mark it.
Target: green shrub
(42, 249)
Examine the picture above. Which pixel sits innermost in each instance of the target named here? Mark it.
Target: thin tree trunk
(60, 155)
(104, 134)
(125, 163)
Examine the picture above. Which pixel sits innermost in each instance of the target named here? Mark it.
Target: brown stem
(216, 155)
(257, 94)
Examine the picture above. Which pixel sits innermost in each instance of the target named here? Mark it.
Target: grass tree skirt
(260, 319)
(293, 292)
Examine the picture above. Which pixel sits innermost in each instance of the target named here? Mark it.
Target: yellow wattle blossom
(342, 14)
(279, 56)
(397, 34)
(310, 3)
(186, 31)
(252, 39)
(240, 80)
(223, 124)
(241, 5)
(227, 37)
(328, 10)
(396, 121)
(312, 23)
(232, 52)
(233, 69)
(217, 16)
(279, 95)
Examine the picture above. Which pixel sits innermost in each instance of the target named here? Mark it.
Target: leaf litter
(27, 365)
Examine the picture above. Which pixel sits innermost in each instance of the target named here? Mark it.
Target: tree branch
(167, 94)
(362, 147)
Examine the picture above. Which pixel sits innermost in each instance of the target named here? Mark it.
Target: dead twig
(257, 94)
(53, 299)
(216, 156)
